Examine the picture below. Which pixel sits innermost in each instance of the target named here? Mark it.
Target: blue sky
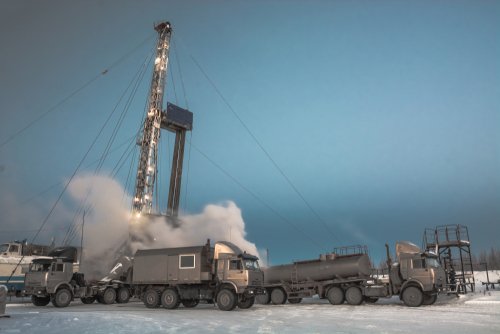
(384, 114)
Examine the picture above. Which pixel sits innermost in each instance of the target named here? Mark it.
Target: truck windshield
(251, 264)
(432, 262)
(4, 248)
(39, 267)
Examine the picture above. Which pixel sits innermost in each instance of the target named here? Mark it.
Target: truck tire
(123, 295)
(226, 300)
(246, 303)
(88, 300)
(62, 297)
(429, 299)
(263, 299)
(294, 300)
(40, 301)
(170, 299)
(278, 296)
(412, 296)
(335, 295)
(354, 296)
(151, 298)
(109, 296)
(190, 303)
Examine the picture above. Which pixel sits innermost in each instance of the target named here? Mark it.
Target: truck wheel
(246, 303)
(335, 295)
(413, 296)
(40, 301)
(170, 299)
(263, 299)
(294, 300)
(109, 296)
(226, 300)
(190, 303)
(151, 298)
(88, 300)
(62, 298)
(429, 299)
(123, 295)
(353, 296)
(278, 296)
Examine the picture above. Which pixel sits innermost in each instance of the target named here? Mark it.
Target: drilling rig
(173, 119)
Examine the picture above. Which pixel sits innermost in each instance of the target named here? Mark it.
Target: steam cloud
(106, 226)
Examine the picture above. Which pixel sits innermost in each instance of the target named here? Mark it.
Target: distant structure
(174, 119)
(452, 244)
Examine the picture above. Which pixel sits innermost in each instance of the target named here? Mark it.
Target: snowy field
(474, 313)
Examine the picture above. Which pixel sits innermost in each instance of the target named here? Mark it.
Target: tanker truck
(166, 277)
(346, 276)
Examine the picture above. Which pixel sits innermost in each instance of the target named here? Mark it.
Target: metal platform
(451, 243)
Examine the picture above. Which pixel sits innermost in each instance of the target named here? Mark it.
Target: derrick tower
(174, 119)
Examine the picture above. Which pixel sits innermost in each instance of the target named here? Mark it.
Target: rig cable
(268, 155)
(261, 201)
(72, 94)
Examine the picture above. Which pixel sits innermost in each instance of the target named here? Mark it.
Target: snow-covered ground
(474, 313)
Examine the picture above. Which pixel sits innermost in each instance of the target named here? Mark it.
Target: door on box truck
(173, 268)
(235, 272)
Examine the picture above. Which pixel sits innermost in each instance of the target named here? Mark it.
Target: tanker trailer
(345, 276)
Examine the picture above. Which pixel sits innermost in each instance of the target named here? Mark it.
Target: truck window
(251, 264)
(4, 248)
(235, 265)
(418, 263)
(57, 267)
(186, 261)
(39, 267)
(14, 248)
(432, 263)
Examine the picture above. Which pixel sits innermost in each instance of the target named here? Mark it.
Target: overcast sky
(385, 115)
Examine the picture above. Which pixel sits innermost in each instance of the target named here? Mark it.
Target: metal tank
(327, 267)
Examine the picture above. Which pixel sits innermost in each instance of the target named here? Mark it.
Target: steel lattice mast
(147, 168)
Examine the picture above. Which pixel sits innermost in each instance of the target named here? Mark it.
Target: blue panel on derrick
(177, 117)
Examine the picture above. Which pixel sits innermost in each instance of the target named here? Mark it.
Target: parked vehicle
(416, 277)
(14, 256)
(164, 277)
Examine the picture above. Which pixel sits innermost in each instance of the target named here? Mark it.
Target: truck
(164, 277)
(14, 256)
(346, 276)
(55, 279)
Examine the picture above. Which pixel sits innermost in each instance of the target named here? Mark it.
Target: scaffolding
(452, 244)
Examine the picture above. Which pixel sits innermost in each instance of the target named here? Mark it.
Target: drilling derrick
(173, 119)
(147, 169)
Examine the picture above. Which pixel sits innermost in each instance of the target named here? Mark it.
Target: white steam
(107, 225)
(216, 222)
